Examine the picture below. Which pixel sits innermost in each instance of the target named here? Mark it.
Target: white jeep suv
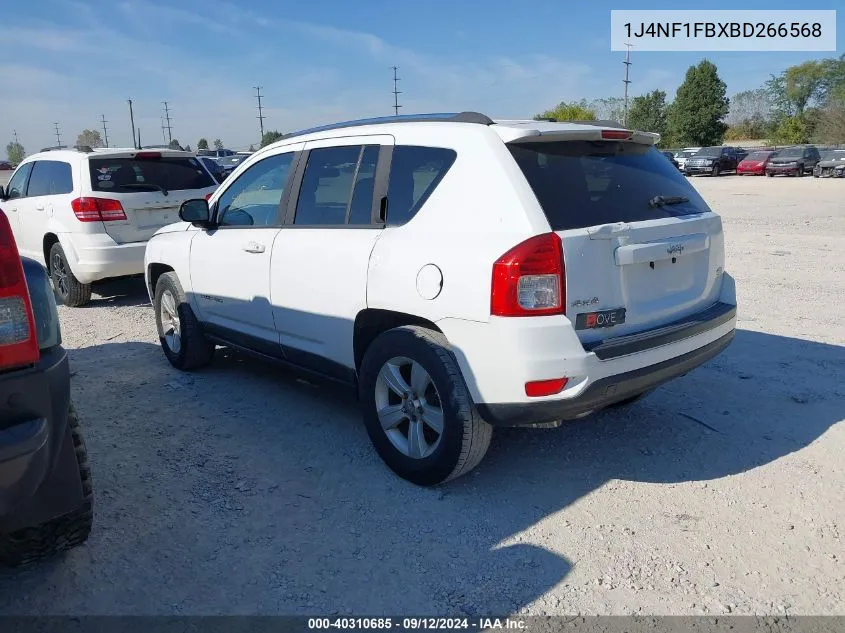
(87, 214)
(464, 273)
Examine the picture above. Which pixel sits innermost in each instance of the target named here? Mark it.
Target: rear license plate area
(599, 319)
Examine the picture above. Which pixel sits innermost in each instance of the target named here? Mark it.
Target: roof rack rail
(79, 148)
(453, 117)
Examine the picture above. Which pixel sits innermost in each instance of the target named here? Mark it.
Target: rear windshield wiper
(135, 185)
(662, 201)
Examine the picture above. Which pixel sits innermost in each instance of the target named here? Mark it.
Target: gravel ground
(241, 489)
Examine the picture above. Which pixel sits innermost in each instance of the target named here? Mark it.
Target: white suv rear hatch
(637, 238)
(150, 186)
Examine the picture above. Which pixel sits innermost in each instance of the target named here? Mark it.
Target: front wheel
(417, 409)
(179, 330)
(716, 170)
(799, 172)
(70, 290)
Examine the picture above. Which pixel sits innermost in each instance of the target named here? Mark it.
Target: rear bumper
(34, 406)
(96, 256)
(604, 392)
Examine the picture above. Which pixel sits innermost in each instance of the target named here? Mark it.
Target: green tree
(791, 130)
(648, 113)
(696, 116)
(15, 152)
(251, 148)
(174, 144)
(270, 137)
(188, 148)
(202, 144)
(91, 138)
(830, 127)
(608, 109)
(218, 144)
(575, 111)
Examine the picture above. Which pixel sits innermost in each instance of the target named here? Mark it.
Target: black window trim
(25, 193)
(379, 187)
(435, 183)
(280, 215)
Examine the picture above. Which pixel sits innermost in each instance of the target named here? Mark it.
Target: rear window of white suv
(587, 183)
(128, 175)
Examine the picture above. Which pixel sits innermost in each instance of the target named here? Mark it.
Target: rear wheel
(179, 330)
(417, 409)
(70, 290)
(71, 530)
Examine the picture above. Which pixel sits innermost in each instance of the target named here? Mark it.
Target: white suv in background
(463, 272)
(87, 214)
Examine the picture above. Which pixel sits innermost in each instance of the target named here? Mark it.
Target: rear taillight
(18, 342)
(618, 135)
(97, 209)
(148, 155)
(528, 280)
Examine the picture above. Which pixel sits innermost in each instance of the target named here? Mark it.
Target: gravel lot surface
(241, 489)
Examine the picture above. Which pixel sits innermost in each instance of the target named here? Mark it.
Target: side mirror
(195, 211)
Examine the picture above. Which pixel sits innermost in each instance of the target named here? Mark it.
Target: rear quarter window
(415, 172)
(128, 175)
(583, 183)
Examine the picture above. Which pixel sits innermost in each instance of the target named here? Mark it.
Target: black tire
(465, 437)
(769, 174)
(800, 171)
(194, 349)
(69, 289)
(30, 544)
(716, 170)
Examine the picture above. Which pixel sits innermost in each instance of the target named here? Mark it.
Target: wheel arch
(154, 271)
(371, 322)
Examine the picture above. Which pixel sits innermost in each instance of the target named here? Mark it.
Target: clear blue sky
(69, 62)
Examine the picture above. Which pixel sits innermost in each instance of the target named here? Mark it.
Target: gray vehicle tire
(31, 544)
(465, 437)
(68, 288)
(193, 350)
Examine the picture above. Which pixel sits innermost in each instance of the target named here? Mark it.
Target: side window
(17, 185)
(50, 177)
(327, 185)
(361, 207)
(253, 199)
(414, 174)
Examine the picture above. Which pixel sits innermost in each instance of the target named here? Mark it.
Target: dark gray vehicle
(712, 160)
(831, 165)
(46, 498)
(793, 161)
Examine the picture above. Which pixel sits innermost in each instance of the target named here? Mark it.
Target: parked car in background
(755, 163)
(671, 157)
(712, 160)
(229, 163)
(831, 164)
(213, 168)
(684, 154)
(46, 498)
(6, 165)
(446, 331)
(793, 161)
(741, 154)
(87, 215)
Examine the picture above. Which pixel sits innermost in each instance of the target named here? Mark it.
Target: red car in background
(755, 163)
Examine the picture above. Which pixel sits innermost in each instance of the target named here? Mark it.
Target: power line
(105, 129)
(626, 81)
(58, 135)
(396, 92)
(261, 116)
(167, 117)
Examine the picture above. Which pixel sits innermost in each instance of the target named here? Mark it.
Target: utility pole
(260, 112)
(16, 138)
(132, 120)
(105, 129)
(58, 135)
(167, 117)
(396, 92)
(163, 135)
(626, 81)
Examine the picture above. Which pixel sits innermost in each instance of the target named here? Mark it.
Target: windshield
(231, 161)
(758, 156)
(833, 154)
(586, 183)
(791, 152)
(687, 153)
(709, 151)
(171, 174)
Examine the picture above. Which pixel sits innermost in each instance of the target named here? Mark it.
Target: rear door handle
(254, 247)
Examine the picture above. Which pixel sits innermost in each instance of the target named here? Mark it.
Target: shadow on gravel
(125, 292)
(239, 489)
